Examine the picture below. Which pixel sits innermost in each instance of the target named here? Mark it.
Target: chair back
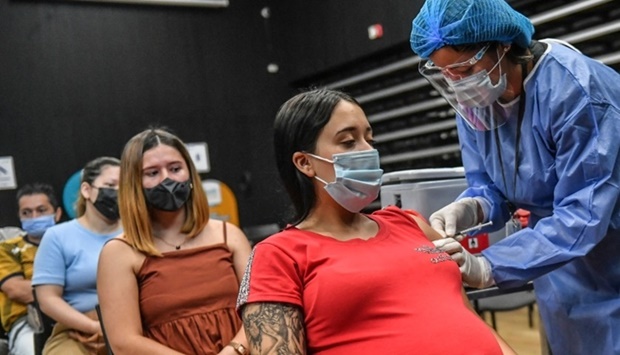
(4, 342)
(42, 324)
(257, 233)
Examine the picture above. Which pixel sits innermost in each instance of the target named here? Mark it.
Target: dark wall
(314, 36)
(78, 79)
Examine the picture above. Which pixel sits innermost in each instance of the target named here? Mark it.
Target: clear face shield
(473, 95)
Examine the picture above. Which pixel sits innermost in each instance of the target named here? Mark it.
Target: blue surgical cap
(455, 22)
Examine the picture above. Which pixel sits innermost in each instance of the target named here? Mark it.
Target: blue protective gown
(568, 177)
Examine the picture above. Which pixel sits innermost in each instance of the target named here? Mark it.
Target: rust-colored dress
(187, 299)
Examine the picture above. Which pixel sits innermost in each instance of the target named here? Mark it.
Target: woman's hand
(92, 342)
(96, 328)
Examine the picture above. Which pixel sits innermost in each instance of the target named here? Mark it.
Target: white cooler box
(426, 191)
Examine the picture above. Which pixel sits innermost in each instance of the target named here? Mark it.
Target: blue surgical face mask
(358, 178)
(35, 227)
(477, 90)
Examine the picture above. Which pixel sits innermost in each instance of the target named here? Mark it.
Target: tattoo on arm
(274, 329)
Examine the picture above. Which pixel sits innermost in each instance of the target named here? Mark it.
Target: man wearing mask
(38, 210)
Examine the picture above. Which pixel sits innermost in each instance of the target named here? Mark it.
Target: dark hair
(91, 171)
(518, 54)
(297, 126)
(38, 188)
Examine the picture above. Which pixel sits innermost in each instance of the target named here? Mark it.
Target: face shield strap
(511, 205)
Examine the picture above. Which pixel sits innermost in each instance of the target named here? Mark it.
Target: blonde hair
(91, 171)
(132, 204)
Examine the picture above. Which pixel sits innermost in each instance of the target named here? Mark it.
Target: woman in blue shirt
(65, 266)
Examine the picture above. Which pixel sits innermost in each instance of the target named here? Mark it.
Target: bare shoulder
(430, 233)
(119, 251)
(118, 244)
(215, 227)
(234, 232)
(237, 241)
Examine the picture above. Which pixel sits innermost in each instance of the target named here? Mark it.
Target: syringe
(460, 235)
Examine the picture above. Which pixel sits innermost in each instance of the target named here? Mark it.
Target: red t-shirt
(391, 294)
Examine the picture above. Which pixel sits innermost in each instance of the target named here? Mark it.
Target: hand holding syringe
(460, 235)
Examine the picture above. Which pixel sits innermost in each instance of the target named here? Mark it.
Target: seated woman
(337, 281)
(65, 266)
(168, 285)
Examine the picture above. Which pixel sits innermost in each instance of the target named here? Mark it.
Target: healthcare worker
(539, 129)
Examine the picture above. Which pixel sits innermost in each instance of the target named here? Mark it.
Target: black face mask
(107, 203)
(169, 195)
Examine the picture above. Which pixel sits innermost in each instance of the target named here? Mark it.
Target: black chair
(42, 323)
(4, 342)
(507, 302)
(258, 233)
(105, 337)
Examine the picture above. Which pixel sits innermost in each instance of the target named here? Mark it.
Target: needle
(460, 235)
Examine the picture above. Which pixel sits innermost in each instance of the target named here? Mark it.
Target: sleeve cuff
(485, 205)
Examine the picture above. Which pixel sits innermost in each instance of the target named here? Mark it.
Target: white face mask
(477, 90)
(358, 178)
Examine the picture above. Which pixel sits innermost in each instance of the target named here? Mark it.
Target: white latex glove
(475, 270)
(458, 215)
(452, 248)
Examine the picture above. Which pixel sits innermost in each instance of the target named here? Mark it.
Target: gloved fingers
(457, 215)
(459, 258)
(450, 225)
(448, 245)
(446, 219)
(439, 243)
(437, 224)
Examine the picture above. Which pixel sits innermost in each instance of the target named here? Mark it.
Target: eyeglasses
(429, 65)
